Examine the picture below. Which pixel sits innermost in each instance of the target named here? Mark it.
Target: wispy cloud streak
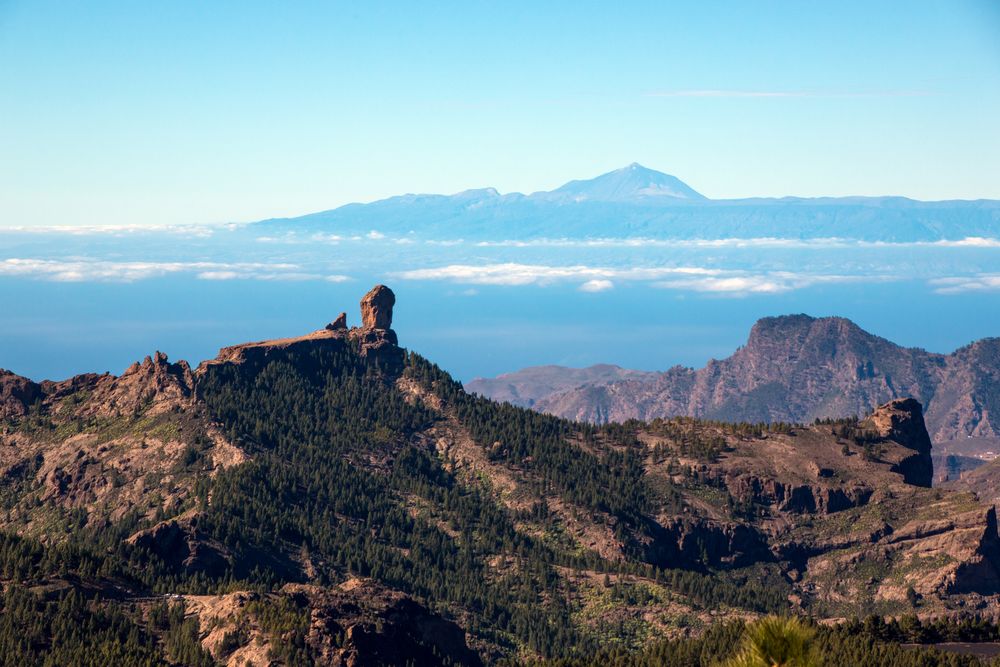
(984, 282)
(724, 93)
(191, 231)
(597, 279)
(528, 274)
(751, 242)
(93, 270)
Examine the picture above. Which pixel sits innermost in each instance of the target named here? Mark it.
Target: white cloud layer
(752, 242)
(985, 282)
(92, 270)
(529, 274)
(192, 231)
(772, 282)
(596, 279)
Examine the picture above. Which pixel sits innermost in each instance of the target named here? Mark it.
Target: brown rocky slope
(662, 528)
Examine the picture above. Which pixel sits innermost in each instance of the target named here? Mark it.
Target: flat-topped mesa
(376, 308)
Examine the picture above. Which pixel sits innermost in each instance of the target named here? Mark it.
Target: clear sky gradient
(200, 112)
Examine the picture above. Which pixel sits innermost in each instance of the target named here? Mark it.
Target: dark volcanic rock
(376, 308)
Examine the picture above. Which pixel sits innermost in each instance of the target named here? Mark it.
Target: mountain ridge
(332, 498)
(792, 368)
(639, 202)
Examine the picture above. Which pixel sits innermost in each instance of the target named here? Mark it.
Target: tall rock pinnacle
(376, 308)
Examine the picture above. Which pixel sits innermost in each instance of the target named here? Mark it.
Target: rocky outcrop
(980, 573)
(376, 308)
(796, 498)
(358, 623)
(694, 543)
(902, 421)
(376, 339)
(180, 544)
(362, 624)
(153, 386)
(155, 382)
(339, 324)
(17, 394)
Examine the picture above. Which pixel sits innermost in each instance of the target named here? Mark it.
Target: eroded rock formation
(376, 308)
(339, 324)
(16, 395)
(376, 338)
(902, 420)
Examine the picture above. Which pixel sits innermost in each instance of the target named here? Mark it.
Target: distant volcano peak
(632, 182)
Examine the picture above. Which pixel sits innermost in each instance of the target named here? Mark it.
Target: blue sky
(193, 112)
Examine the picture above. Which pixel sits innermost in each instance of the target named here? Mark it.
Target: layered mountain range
(332, 498)
(635, 201)
(794, 368)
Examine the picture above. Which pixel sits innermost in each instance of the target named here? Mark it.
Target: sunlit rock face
(376, 308)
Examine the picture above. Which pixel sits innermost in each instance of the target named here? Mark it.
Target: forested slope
(334, 497)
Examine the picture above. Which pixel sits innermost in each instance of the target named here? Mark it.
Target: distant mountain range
(639, 202)
(794, 368)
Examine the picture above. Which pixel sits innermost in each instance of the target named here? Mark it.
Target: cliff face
(902, 421)
(793, 368)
